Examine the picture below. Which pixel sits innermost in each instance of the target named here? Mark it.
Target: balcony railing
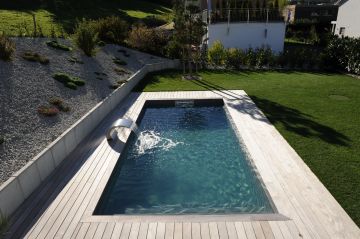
(244, 15)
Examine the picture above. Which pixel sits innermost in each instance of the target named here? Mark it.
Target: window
(342, 31)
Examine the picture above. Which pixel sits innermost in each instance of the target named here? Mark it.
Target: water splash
(150, 140)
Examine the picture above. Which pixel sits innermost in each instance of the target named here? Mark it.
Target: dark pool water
(184, 161)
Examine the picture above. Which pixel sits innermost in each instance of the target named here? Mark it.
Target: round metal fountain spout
(121, 123)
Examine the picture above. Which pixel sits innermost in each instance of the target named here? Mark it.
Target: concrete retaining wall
(20, 185)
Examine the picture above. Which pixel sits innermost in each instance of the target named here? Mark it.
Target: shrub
(74, 60)
(250, 57)
(59, 103)
(32, 56)
(217, 54)
(148, 40)
(121, 71)
(48, 110)
(117, 84)
(57, 45)
(4, 224)
(234, 58)
(343, 54)
(153, 21)
(7, 47)
(69, 81)
(86, 36)
(112, 29)
(120, 62)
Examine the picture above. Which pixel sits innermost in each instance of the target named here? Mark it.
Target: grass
(317, 113)
(63, 21)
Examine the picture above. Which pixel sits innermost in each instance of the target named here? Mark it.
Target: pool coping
(275, 216)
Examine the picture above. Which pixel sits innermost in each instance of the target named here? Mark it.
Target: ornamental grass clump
(47, 110)
(55, 44)
(86, 36)
(35, 57)
(69, 81)
(7, 47)
(59, 103)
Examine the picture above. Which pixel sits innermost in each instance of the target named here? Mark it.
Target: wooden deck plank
(100, 230)
(240, 230)
(92, 229)
(108, 230)
(205, 232)
(231, 230)
(223, 234)
(169, 230)
(276, 230)
(160, 230)
(214, 232)
(187, 230)
(249, 230)
(195, 230)
(143, 230)
(83, 230)
(134, 233)
(125, 232)
(284, 230)
(117, 231)
(151, 234)
(267, 230)
(178, 232)
(258, 230)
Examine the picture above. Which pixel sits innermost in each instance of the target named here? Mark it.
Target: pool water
(184, 161)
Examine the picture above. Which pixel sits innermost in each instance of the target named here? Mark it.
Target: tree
(189, 32)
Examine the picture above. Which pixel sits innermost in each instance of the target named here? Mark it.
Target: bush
(250, 58)
(59, 103)
(148, 40)
(59, 46)
(117, 84)
(7, 47)
(120, 62)
(112, 29)
(234, 58)
(343, 54)
(86, 37)
(48, 110)
(217, 54)
(69, 81)
(32, 56)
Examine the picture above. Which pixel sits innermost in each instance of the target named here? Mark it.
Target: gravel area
(24, 86)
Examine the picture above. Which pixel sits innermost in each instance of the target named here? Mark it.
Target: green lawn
(317, 113)
(12, 20)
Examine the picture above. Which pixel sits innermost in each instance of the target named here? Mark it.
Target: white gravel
(24, 86)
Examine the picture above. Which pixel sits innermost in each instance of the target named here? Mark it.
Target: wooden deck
(63, 206)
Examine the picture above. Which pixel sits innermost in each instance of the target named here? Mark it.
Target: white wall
(349, 17)
(245, 35)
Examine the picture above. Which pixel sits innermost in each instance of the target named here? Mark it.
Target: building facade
(239, 24)
(348, 19)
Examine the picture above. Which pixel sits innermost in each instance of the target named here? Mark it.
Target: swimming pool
(184, 160)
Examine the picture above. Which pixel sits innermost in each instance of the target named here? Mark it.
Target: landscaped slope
(317, 113)
(44, 90)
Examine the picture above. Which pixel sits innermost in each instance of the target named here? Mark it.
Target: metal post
(248, 15)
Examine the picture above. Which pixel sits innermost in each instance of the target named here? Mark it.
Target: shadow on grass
(291, 119)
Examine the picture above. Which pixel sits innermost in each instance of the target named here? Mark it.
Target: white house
(240, 26)
(348, 19)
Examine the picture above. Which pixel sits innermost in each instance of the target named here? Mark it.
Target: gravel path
(24, 86)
